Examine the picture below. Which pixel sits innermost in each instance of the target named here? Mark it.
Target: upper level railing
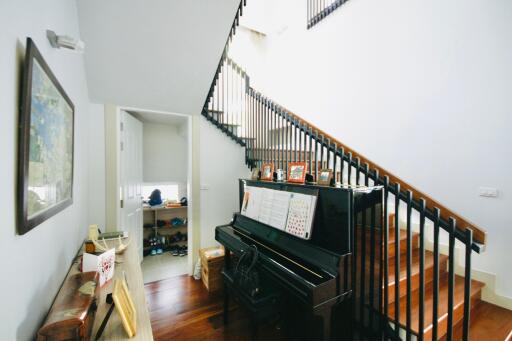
(319, 9)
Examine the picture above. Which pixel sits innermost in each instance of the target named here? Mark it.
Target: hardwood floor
(181, 308)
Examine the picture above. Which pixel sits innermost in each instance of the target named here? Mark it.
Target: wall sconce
(66, 42)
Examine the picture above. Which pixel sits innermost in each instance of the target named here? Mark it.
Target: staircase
(422, 296)
(427, 328)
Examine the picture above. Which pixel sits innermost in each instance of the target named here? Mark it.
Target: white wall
(96, 165)
(165, 153)
(421, 88)
(222, 163)
(34, 265)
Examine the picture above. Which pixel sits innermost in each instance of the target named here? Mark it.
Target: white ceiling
(153, 54)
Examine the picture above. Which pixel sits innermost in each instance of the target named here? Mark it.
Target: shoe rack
(157, 223)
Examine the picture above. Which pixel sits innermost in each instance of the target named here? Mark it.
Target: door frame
(113, 176)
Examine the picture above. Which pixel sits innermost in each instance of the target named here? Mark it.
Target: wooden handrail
(479, 235)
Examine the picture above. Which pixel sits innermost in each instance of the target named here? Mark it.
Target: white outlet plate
(488, 192)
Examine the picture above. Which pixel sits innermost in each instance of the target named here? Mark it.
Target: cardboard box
(212, 261)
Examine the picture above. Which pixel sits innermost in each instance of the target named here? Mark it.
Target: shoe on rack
(172, 238)
(175, 251)
(153, 252)
(177, 222)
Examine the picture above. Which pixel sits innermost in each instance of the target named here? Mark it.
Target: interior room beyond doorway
(164, 192)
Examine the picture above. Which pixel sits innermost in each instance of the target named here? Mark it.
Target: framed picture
(297, 172)
(267, 172)
(125, 307)
(255, 174)
(325, 177)
(45, 149)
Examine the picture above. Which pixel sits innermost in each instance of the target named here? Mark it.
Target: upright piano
(328, 281)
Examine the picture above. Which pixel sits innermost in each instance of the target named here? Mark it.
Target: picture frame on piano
(325, 177)
(267, 172)
(297, 172)
(255, 175)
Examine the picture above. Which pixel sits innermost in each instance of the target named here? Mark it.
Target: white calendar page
(266, 205)
(300, 215)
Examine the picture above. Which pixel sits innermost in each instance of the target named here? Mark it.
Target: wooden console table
(129, 264)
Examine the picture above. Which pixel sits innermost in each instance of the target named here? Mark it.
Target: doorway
(154, 178)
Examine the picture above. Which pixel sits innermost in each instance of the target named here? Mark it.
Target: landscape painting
(46, 144)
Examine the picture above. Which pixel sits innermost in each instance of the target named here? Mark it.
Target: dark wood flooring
(182, 309)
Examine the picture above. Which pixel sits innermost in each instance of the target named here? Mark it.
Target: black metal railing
(270, 133)
(222, 70)
(319, 9)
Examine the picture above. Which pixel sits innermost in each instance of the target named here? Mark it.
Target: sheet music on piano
(300, 215)
(287, 211)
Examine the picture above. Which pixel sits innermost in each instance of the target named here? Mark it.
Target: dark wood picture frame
(24, 222)
(267, 177)
(292, 177)
(325, 182)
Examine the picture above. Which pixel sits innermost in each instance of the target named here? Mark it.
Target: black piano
(328, 283)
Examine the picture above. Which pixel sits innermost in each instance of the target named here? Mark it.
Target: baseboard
(489, 291)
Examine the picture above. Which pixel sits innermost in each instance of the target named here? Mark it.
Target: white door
(131, 178)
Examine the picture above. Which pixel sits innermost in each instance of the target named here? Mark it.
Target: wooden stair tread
(415, 269)
(458, 304)
(402, 243)
(403, 235)
(391, 235)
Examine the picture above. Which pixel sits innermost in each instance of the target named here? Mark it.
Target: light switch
(488, 192)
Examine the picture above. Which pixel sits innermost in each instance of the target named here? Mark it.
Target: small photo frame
(255, 175)
(325, 177)
(297, 172)
(267, 172)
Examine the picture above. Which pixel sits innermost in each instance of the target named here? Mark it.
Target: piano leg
(254, 329)
(226, 304)
(326, 324)
(322, 324)
(227, 265)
